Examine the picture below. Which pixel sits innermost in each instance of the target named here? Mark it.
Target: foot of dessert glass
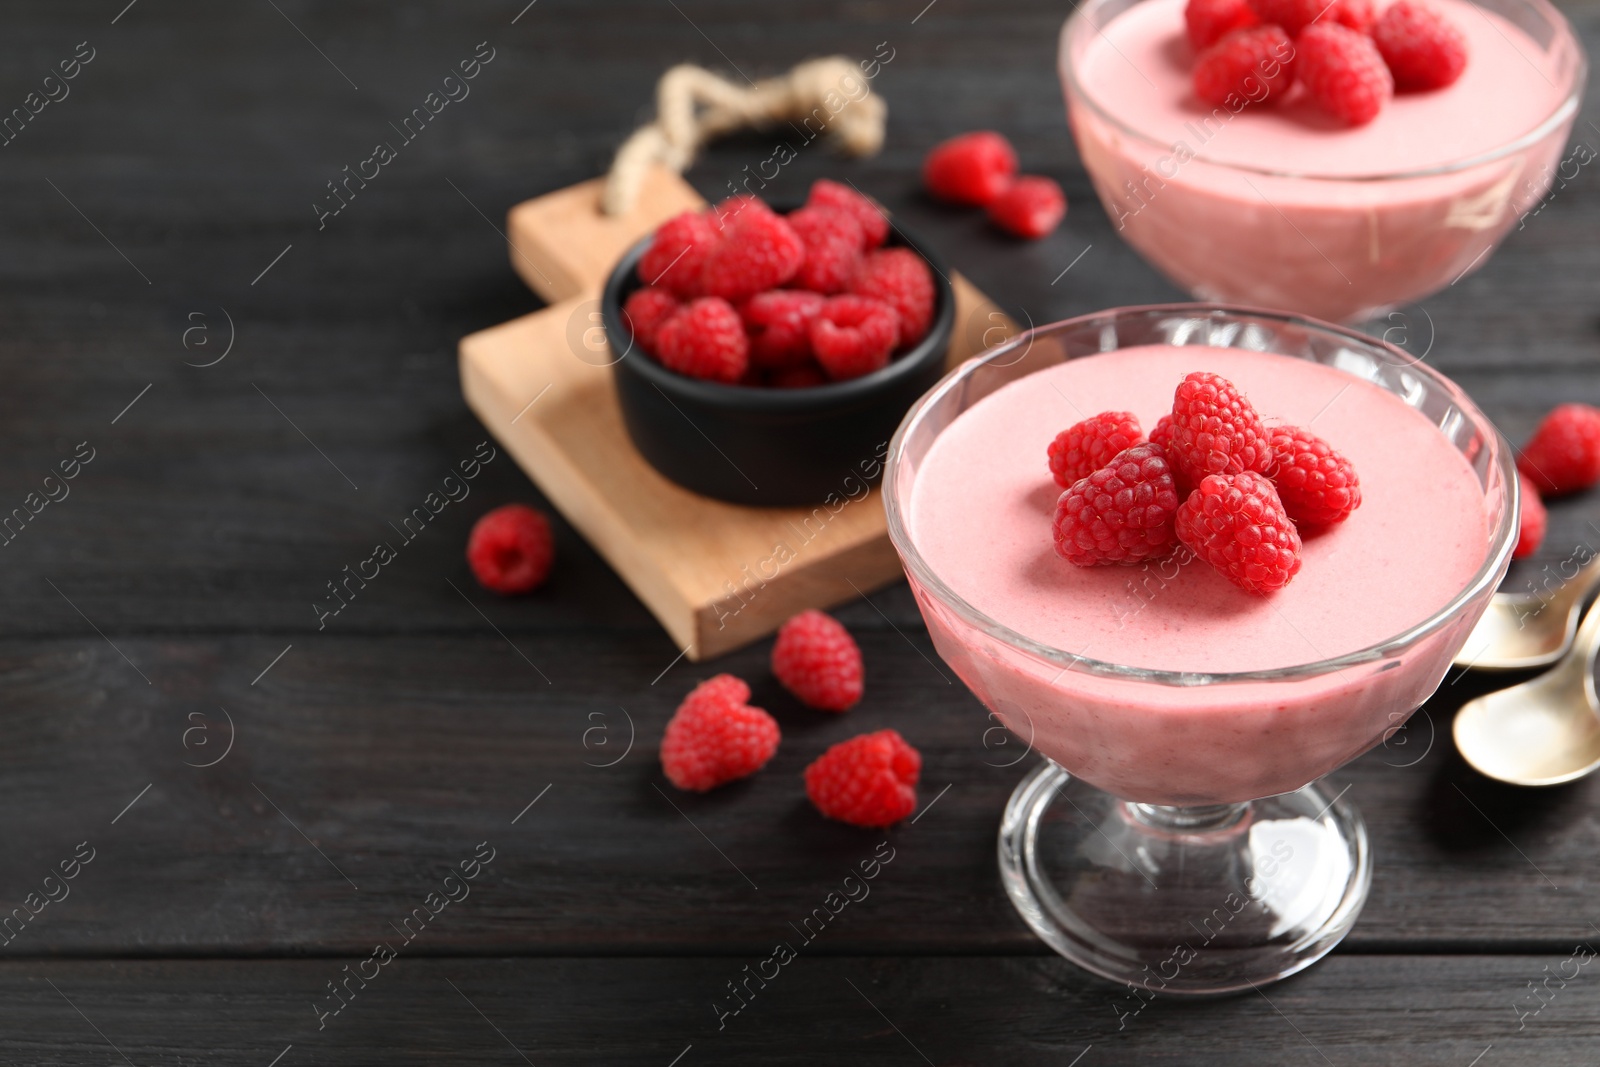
(1206, 864)
(1204, 899)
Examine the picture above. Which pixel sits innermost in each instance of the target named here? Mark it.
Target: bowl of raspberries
(765, 354)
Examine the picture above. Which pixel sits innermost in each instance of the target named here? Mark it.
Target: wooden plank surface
(408, 729)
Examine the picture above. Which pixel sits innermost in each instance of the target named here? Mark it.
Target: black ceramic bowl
(763, 446)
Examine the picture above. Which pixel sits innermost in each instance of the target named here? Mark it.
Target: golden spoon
(1545, 731)
(1522, 630)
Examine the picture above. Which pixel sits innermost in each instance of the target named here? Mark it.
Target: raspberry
(1563, 455)
(646, 310)
(1343, 73)
(704, 340)
(804, 376)
(679, 252)
(510, 549)
(837, 195)
(973, 168)
(759, 251)
(1423, 50)
(1358, 15)
(868, 780)
(1530, 532)
(1256, 65)
(1085, 447)
(1236, 523)
(1031, 207)
(1215, 430)
(853, 335)
(900, 278)
(1162, 434)
(723, 215)
(715, 736)
(1122, 513)
(1209, 21)
(1317, 485)
(778, 323)
(818, 661)
(833, 241)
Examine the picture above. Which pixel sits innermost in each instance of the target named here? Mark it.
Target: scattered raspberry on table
(1563, 455)
(1085, 447)
(818, 661)
(1236, 523)
(510, 549)
(972, 168)
(868, 780)
(1031, 207)
(716, 737)
(1122, 513)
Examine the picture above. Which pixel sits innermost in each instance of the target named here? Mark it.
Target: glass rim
(1502, 541)
(1564, 110)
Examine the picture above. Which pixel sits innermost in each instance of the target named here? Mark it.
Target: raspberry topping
(1530, 530)
(973, 168)
(833, 241)
(1122, 513)
(1317, 485)
(1085, 447)
(1423, 50)
(1563, 455)
(778, 323)
(715, 736)
(1162, 434)
(1209, 21)
(646, 310)
(760, 251)
(866, 781)
(510, 549)
(1215, 430)
(839, 196)
(1257, 65)
(818, 661)
(853, 335)
(1343, 73)
(1290, 15)
(679, 252)
(1236, 523)
(1358, 15)
(705, 340)
(1030, 207)
(900, 278)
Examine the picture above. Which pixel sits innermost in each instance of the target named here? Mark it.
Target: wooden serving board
(716, 575)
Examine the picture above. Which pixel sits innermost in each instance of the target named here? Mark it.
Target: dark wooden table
(163, 610)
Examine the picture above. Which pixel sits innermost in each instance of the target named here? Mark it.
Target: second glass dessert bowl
(1176, 837)
(1273, 207)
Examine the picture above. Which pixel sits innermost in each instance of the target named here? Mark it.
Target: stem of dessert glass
(1194, 818)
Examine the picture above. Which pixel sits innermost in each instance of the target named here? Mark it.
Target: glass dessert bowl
(1171, 839)
(1277, 206)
